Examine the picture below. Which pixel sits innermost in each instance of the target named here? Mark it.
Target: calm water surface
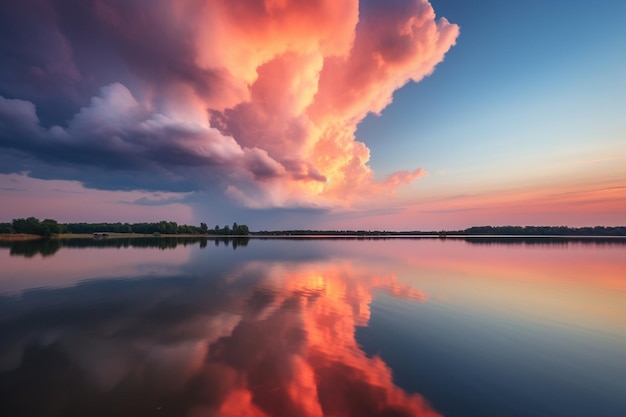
(275, 327)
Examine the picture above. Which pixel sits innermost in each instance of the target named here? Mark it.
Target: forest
(50, 227)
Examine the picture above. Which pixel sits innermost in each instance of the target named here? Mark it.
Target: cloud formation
(259, 99)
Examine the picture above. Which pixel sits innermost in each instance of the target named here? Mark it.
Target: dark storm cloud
(36, 57)
(115, 132)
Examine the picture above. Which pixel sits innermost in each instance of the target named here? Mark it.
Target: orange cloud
(309, 75)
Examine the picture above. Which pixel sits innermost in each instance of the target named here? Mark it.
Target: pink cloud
(404, 177)
(305, 102)
(259, 99)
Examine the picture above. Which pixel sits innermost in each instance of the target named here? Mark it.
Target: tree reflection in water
(49, 247)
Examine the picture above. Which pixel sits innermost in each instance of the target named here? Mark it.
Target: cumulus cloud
(260, 99)
(117, 132)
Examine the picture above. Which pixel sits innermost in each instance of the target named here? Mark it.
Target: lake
(313, 327)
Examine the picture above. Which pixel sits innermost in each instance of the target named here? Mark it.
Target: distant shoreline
(26, 236)
(29, 228)
(295, 236)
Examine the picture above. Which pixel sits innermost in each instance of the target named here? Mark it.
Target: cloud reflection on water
(265, 339)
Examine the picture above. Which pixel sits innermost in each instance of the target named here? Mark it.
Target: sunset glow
(371, 114)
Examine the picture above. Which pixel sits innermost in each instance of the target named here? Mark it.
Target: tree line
(477, 230)
(49, 227)
(33, 226)
(547, 231)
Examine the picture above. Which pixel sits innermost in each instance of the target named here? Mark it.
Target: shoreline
(24, 236)
(17, 237)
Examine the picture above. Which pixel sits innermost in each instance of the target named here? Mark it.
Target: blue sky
(532, 95)
(523, 76)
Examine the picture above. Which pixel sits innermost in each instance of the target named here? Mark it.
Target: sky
(279, 114)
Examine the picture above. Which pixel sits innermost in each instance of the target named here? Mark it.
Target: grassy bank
(18, 236)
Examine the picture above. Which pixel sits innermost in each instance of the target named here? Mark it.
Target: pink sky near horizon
(69, 201)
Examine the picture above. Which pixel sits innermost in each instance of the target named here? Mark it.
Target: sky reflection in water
(314, 328)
